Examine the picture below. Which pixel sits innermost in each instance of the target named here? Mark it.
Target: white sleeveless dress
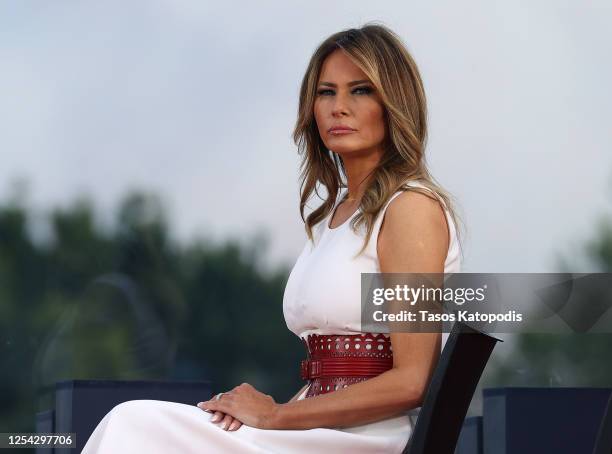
(322, 296)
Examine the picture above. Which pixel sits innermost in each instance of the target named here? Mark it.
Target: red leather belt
(336, 361)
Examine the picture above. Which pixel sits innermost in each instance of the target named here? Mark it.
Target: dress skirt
(160, 427)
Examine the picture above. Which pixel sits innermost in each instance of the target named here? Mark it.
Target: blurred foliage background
(574, 359)
(126, 302)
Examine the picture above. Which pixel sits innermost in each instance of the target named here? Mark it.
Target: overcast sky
(197, 101)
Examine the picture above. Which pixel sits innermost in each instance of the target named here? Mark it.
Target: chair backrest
(450, 391)
(603, 443)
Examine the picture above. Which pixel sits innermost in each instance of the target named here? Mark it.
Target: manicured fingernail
(225, 426)
(215, 418)
(233, 425)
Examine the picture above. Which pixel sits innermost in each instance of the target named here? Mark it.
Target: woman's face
(346, 98)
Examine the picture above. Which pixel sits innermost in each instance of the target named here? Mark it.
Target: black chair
(450, 391)
(603, 444)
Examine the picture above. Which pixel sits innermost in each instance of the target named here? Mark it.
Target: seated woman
(362, 117)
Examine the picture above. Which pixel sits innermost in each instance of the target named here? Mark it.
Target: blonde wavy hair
(383, 57)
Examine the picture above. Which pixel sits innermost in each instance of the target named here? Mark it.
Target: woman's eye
(363, 90)
(358, 90)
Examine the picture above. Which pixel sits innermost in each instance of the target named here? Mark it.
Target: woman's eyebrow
(350, 84)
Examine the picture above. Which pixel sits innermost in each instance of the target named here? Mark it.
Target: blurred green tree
(128, 302)
(575, 359)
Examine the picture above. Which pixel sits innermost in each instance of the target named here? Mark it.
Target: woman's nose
(340, 105)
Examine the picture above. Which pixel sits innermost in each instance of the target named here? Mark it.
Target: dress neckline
(333, 211)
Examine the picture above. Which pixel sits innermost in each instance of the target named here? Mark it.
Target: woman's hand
(227, 422)
(245, 405)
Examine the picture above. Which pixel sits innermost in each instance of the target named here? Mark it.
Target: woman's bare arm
(234, 424)
(414, 239)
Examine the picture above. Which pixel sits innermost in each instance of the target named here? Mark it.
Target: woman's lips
(338, 132)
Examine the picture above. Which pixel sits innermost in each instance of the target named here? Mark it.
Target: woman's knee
(131, 408)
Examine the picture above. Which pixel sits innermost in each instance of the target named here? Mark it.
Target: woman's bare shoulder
(414, 235)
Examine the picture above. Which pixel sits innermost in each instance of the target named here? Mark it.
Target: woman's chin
(344, 145)
(348, 150)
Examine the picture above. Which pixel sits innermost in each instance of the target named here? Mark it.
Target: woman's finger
(225, 423)
(217, 416)
(235, 425)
